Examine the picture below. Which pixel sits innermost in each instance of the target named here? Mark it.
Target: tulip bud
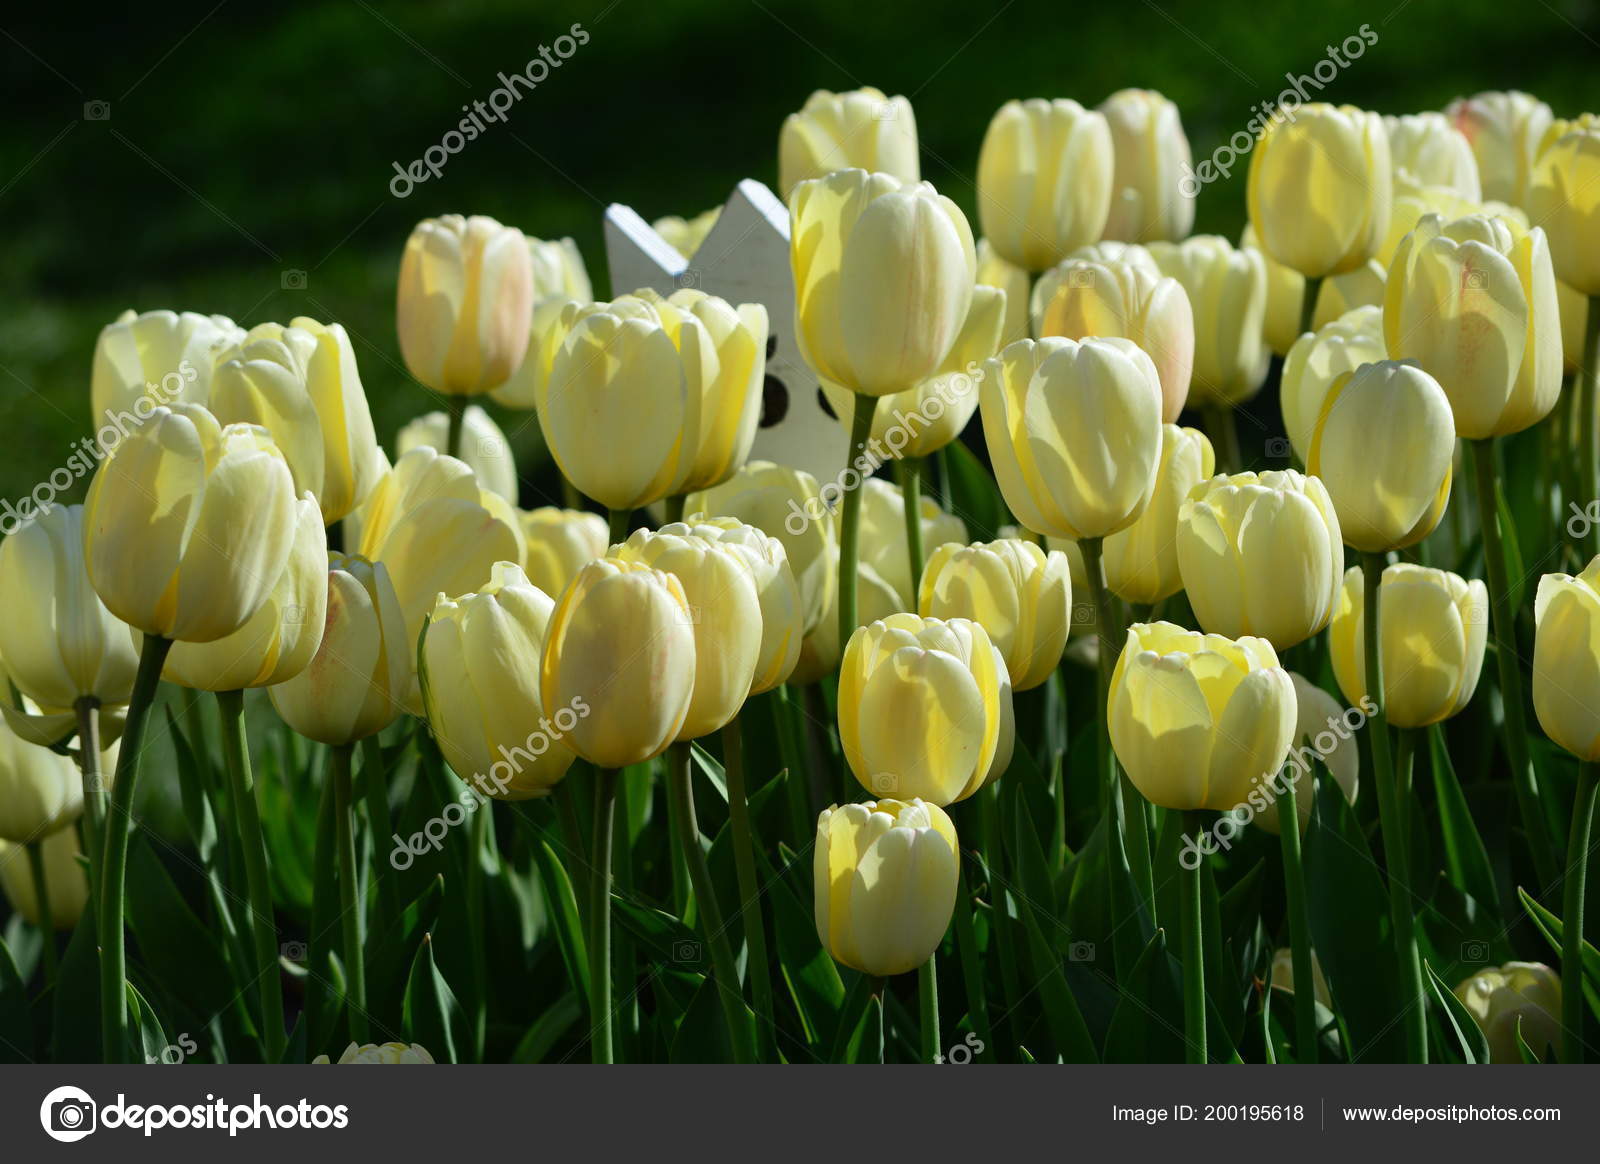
(1074, 433)
(1434, 626)
(1044, 180)
(1320, 357)
(885, 874)
(1504, 130)
(883, 535)
(558, 270)
(1021, 596)
(559, 543)
(779, 595)
(1319, 188)
(1413, 203)
(1286, 293)
(1148, 198)
(384, 1054)
(1562, 198)
(685, 235)
(1429, 150)
(1384, 445)
(1321, 736)
(1105, 253)
(1227, 292)
(187, 525)
(1281, 976)
(1014, 281)
(1523, 996)
(484, 447)
(559, 278)
(1140, 563)
(861, 129)
(262, 381)
(464, 303)
(65, 880)
(1566, 666)
(925, 708)
(160, 357)
(352, 461)
(1261, 554)
(40, 792)
(883, 276)
(621, 639)
(1197, 721)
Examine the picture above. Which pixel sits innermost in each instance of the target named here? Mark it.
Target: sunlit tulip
(1019, 594)
(775, 587)
(1517, 997)
(883, 276)
(40, 792)
(402, 1054)
(1320, 357)
(684, 235)
(1044, 180)
(621, 639)
(158, 357)
(886, 875)
(925, 708)
(1434, 626)
(465, 301)
(1281, 976)
(1074, 433)
(559, 277)
(883, 534)
(820, 650)
(1319, 189)
(1141, 562)
(994, 271)
(1227, 291)
(483, 447)
(1286, 292)
(1197, 721)
(263, 381)
(1261, 554)
(1563, 198)
(1321, 736)
(1504, 130)
(187, 525)
(1106, 251)
(65, 880)
(861, 129)
(1429, 150)
(1413, 203)
(1566, 664)
(559, 543)
(1384, 444)
(1148, 196)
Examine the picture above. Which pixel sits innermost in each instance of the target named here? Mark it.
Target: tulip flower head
(1428, 149)
(1227, 293)
(776, 589)
(1504, 131)
(1518, 997)
(65, 879)
(1151, 151)
(1044, 180)
(400, 1054)
(559, 543)
(1562, 198)
(1140, 563)
(1320, 357)
(158, 357)
(484, 447)
(860, 129)
(1566, 664)
(883, 535)
(40, 792)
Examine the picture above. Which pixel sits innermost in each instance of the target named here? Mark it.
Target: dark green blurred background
(246, 142)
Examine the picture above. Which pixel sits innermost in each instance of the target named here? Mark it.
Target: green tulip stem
(928, 1005)
(744, 858)
(1224, 434)
(253, 845)
(1588, 434)
(605, 804)
(355, 970)
(1572, 971)
(621, 520)
(850, 518)
(1308, 304)
(1194, 966)
(908, 471)
(94, 792)
(379, 820)
(972, 967)
(1503, 626)
(456, 409)
(672, 508)
(786, 709)
(114, 866)
(1294, 883)
(47, 921)
(723, 968)
(477, 840)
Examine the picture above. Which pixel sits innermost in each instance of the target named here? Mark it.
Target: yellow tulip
(1286, 292)
(1319, 189)
(685, 235)
(1383, 444)
(1566, 662)
(1504, 130)
(65, 880)
(1151, 152)
(1320, 357)
(1434, 627)
(883, 535)
(820, 650)
(187, 525)
(483, 447)
(776, 589)
(559, 278)
(1014, 281)
(1261, 554)
(925, 708)
(40, 792)
(1197, 721)
(159, 357)
(1562, 198)
(559, 543)
(1074, 433)
(1518, 996)
(464, 305)
(861, 129)
(621, 639)
(262, 381)
(1281, 976)
(386, 1054)
(1322, 735)
(883, 275)
(1429, 150)
(1140, 563)
(1021, 596)
(1044, 180)
(1413, 203)
(885, 876)
(1574, 311)
(1227, 291)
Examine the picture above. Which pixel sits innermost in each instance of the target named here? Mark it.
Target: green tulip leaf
(1466, 858)
(557, 1019)
(1469, 1036)
(16, 1025)
(432, 1015)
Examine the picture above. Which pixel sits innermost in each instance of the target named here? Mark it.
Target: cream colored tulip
(559, 278)
(860, 129)
(1566, 660)
(1140, 563)
(1106, 251)
(994, 271)
(560, 542)
(1320, 357)
(1019, 594)
(1504, 130)
(1517, 997)
(1384, 445)
(483, 447)
(885, 874)
(1574, 311)
(352, 462)
(820, 650)
(1564, 200)
(1281, 976)
(1286, 292)
(66, 881)
(685, 235)
(776, 588)
(187, 525)
(1151, 151)
(1227, 292)
(465, 301)
(401, 1054)
(622, 639)
(1323, 736)
(883, 534)
(1429, 150)
(263, 381)
(1044, 180)
(1074, 433)
(40, 792)
(158, 357)
(1413, 203)
(1319, 189)
(1196, 720)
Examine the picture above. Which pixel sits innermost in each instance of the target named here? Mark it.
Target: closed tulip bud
(464, 305)
(1384, 446)
(1261, 554)
(1320, 357)
(861, 129)
(1014, 281)
(187, 525)
(558, 270)
(886, 875)
(1074, 433)
(559, 543)
(262, 381)
(1566, 665)
(483, 447)
(776, 589)
(282, 636)
(352, 461)
(731, 365)
(1474, 303)
(1516, 998)
(385, 1054)
(820, 650)
(40, 792)
(357, 681)
(883, 534)
(725, 610)
(1148, 196)
(1227, 292)
(685, 235)
(1044, 180)
(1141, 562)
(1321, 736)
(1104, 252)
(1286, 292)
(1281, 976)
(1429, 150)
(159, 357)
(1197, 720)
(559, 278)
(1504, 130)
(1562, 198)
(1021, 596)
(1434, 626)
(622, 639)
(1319, 189)
(925, 708)
(66, 882)
(883, 276)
